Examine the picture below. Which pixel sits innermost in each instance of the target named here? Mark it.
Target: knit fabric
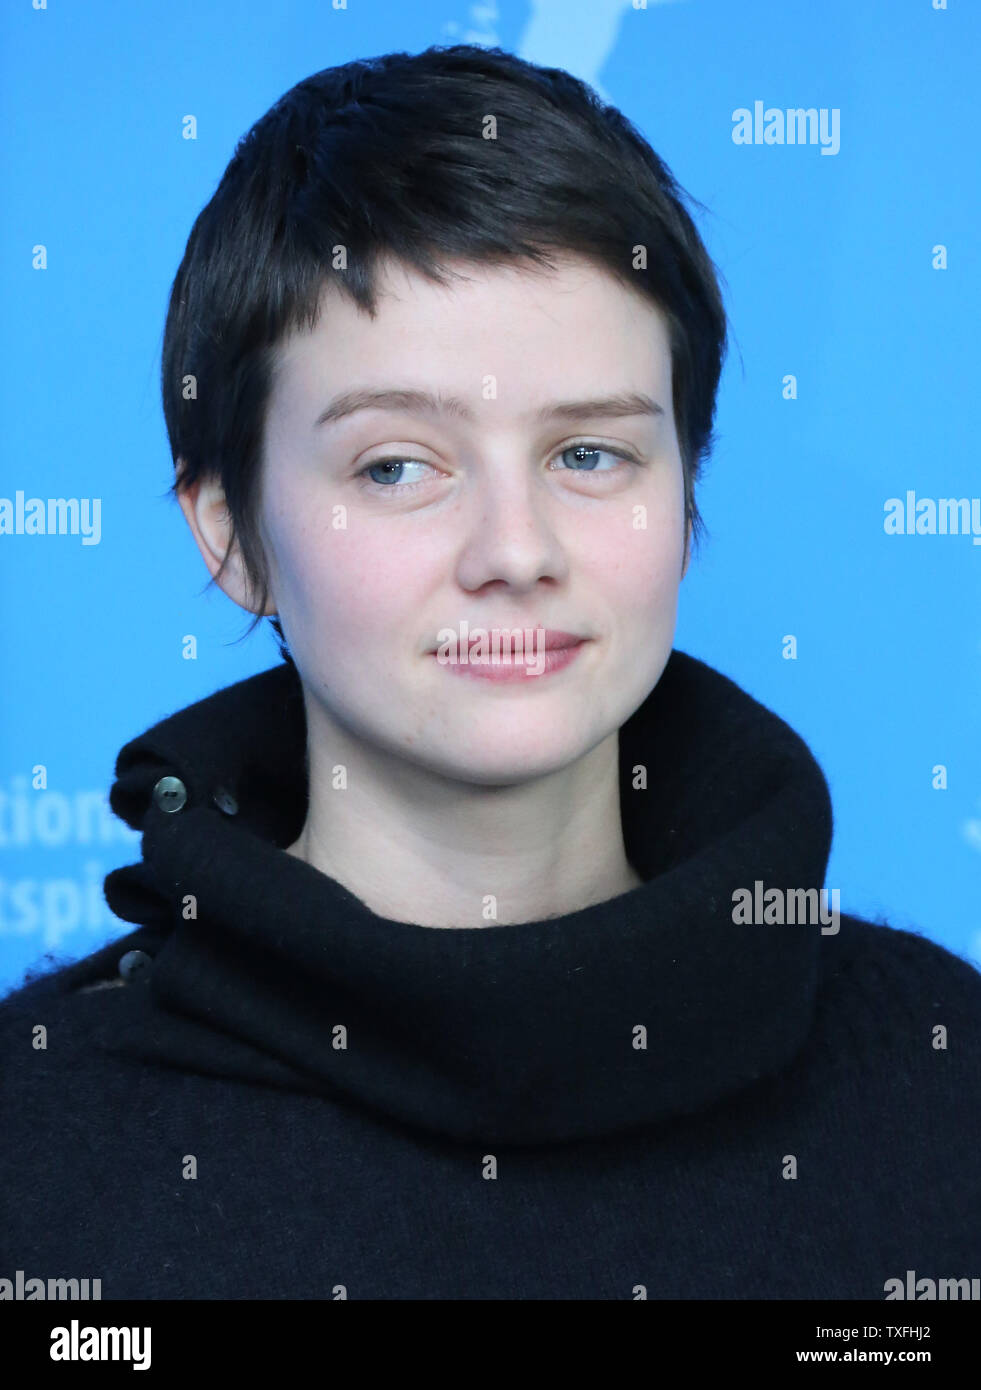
(650, 1097)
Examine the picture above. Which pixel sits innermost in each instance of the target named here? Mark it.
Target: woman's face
(490, 519)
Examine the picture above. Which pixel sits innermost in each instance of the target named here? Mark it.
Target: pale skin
(459, 791)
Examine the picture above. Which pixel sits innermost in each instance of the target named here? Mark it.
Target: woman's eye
(585, 456)
(387, 473)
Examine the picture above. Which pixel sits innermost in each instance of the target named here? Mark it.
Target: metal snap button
(170, 794)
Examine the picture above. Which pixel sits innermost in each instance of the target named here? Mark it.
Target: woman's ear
(206, 512)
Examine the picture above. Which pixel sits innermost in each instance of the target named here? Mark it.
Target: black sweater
(288, 1096)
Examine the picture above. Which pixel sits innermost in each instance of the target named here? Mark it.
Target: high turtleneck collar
(520, 1034)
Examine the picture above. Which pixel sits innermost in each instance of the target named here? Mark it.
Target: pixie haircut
(397, 156)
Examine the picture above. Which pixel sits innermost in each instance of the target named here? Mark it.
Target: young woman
(480, 946)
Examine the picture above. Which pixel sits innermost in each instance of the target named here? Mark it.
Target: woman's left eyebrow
(606, 407)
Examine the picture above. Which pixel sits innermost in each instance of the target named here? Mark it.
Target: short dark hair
(387, 156)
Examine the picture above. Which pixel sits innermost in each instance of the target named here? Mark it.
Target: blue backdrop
(852, 284)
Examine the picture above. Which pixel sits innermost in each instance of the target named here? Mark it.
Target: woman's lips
(531, 665)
